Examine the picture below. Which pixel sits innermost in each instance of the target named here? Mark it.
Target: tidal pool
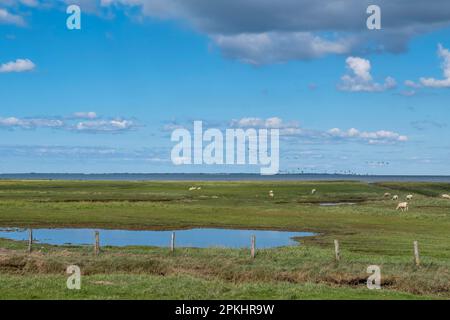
(197, 238)
(335, 204)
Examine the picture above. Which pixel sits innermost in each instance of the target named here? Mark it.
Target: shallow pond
(198, 238)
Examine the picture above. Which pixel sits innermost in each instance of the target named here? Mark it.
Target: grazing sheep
(199, 188)
(445, 196)
(313, 191)
(403, 206)
(271, 193)
(409, 197)
(387, 194)
(192, 188)
(395, 197)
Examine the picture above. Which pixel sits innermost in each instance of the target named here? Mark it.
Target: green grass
(124, 286)
(370, 232)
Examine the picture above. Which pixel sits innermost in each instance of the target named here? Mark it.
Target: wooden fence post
(172, 242)
(253, 247)
(97, 243)
(416, 253)
(337, 250)
(30, 240)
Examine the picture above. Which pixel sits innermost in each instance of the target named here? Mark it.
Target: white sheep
(313, 191)
(445, 196)
(387, 194)
(199, 188)
(192, 188)
(271, 194)
(403, 206)
(409, 197)
(395, 197)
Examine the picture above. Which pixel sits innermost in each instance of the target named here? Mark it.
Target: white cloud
(28, 3)
(360, 79)
(13, 122)
(376, 137)
(248, 122)
(294, 130)
(412, 84)
(116, 125)
(289, 128)
(360, 67)
(172, 126)
(70, 123)
(411, 90)
(20, 65)
(85, 115)
(8, 18)
(444, 54)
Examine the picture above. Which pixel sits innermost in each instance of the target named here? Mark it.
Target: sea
(222, 177)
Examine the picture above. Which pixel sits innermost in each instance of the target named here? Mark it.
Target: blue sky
(105, 98)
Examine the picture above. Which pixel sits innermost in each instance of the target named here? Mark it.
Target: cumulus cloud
(375, 137)
(266, 31)
(360, 78)
(444, 54)
(20, 65)
(294, 130)
(90, 123)
(274, 47)
(9, 18)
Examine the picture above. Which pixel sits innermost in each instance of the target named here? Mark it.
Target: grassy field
(370, 232)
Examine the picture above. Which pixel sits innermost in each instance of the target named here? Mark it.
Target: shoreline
(221, 177)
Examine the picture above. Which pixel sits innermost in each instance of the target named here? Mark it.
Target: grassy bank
(370, 232)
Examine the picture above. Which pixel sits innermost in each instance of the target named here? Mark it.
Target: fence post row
(252, 249)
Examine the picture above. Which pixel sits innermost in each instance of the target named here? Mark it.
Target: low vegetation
(370, 232)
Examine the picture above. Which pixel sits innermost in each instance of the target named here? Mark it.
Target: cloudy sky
(107, 97)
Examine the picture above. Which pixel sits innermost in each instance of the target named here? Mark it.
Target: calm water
(335, 204)
(222, 177)
(198, 238)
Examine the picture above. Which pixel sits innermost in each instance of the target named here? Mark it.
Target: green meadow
(370, 232)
